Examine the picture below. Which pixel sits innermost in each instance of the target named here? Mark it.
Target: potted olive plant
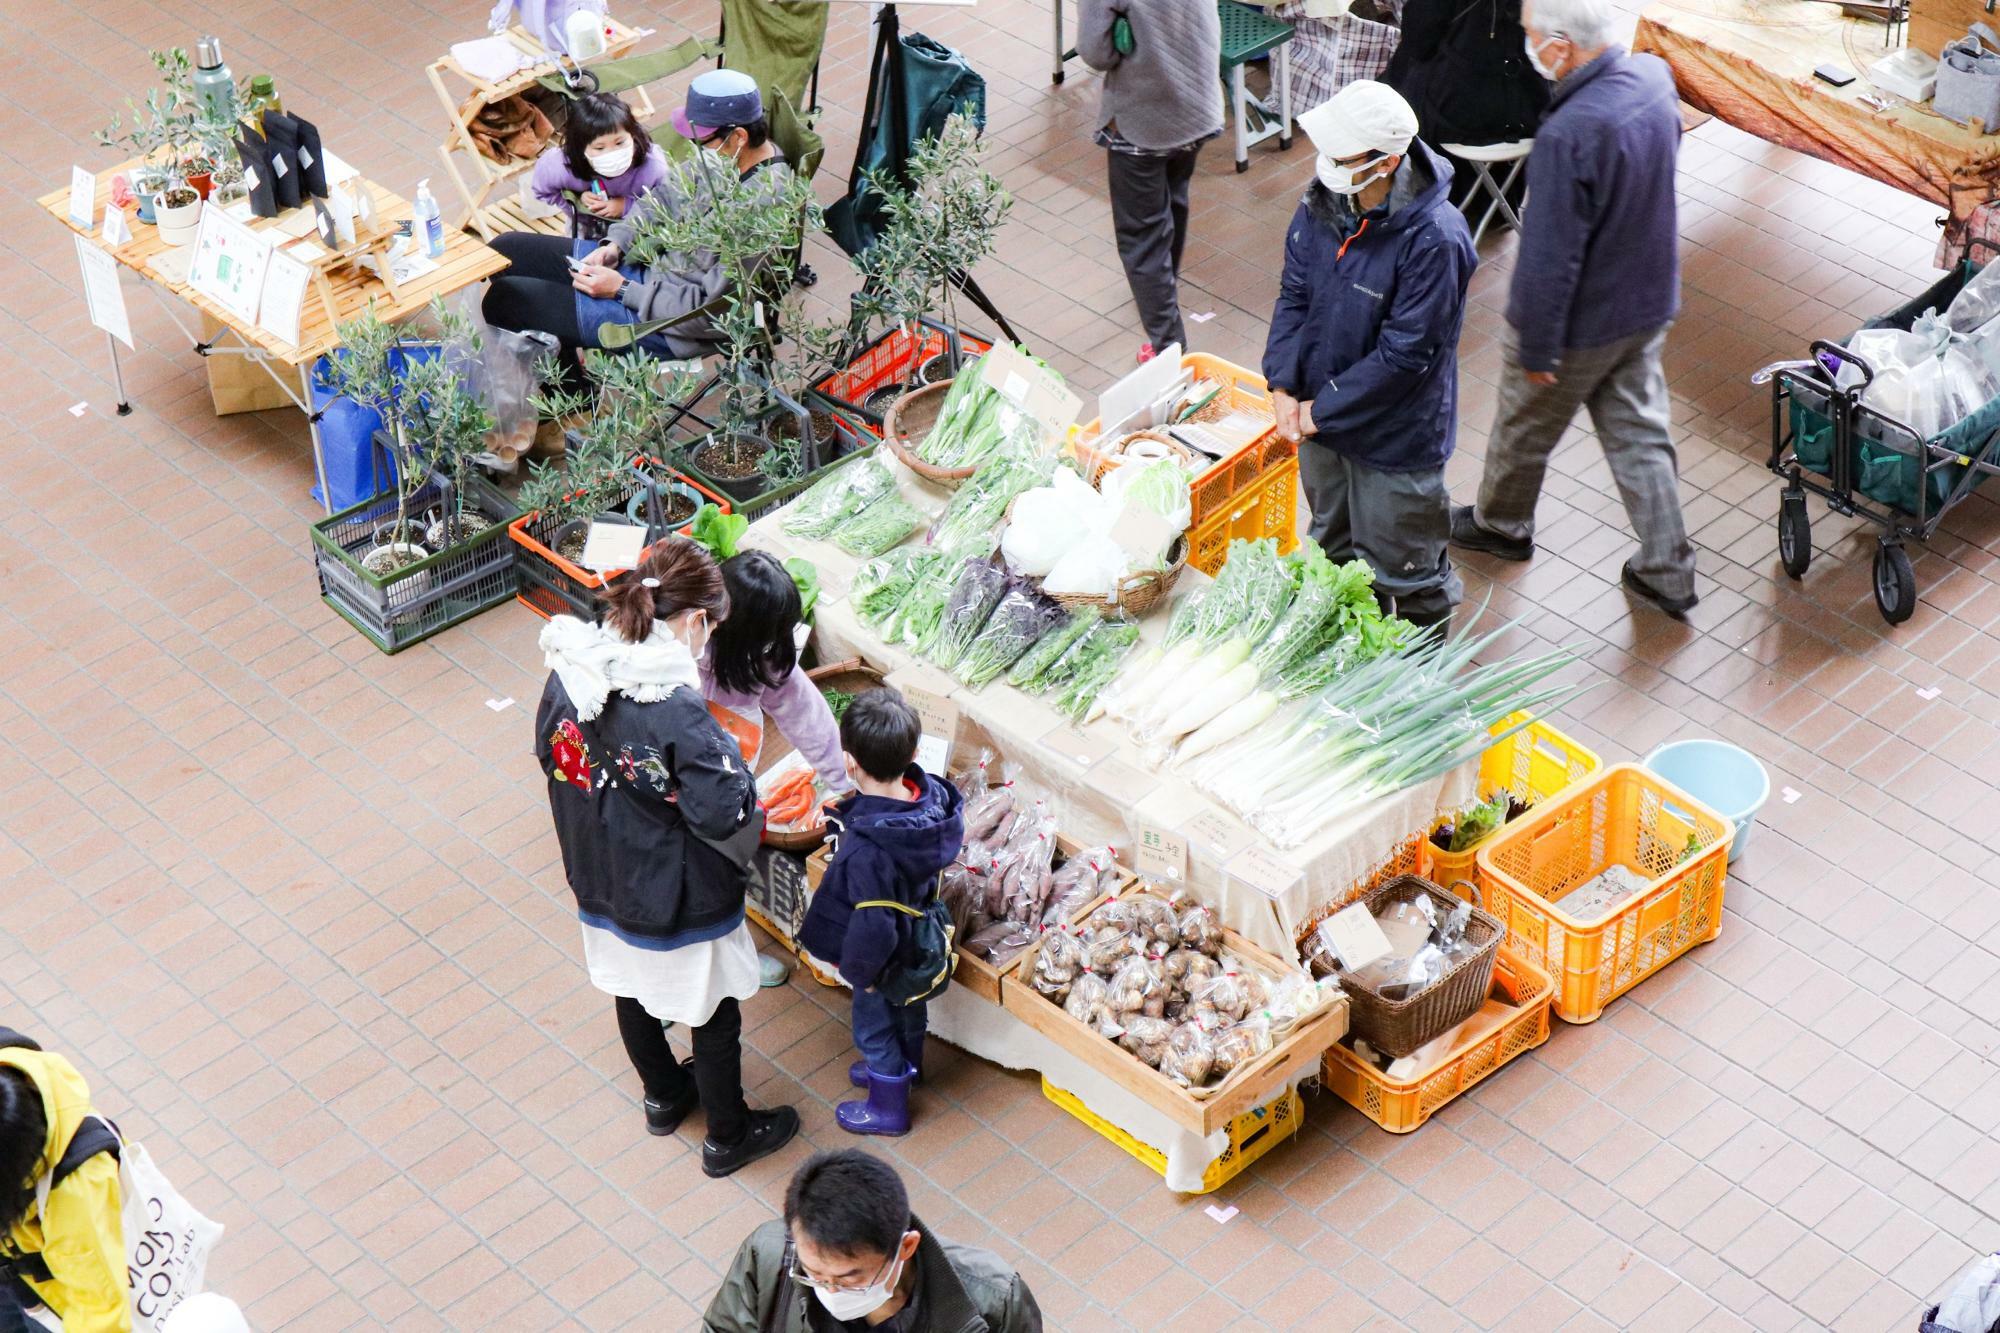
(151, 132)
(178, 148)
(432, 550)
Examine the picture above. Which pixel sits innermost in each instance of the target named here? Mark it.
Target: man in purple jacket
(1595, 286)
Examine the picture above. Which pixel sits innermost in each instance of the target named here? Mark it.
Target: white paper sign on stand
(82, 196)
(101, 291)
(285, 282)
(1130, 396)
(228, 264)
(115, 231)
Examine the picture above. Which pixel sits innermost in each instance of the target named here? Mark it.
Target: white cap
(1363, 117)
(206, 1312)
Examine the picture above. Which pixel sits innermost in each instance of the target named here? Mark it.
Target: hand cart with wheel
(1827, 442)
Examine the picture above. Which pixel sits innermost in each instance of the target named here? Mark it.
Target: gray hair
(1590, 25)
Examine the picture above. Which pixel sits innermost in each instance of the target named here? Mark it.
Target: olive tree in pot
(934, 229)
(153, 130)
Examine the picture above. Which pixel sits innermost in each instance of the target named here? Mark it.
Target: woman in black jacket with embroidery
(1463, 67)
(657, 815)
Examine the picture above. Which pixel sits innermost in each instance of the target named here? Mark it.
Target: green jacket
(966, 1290)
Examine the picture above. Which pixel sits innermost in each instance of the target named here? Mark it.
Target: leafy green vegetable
(839, 495)
(718, 531)
(1478, 822)
(838, 701)
(1031, 672)
(807, 578)
(973, 422)
(1097, 659)
(878, 527)
(982, 501)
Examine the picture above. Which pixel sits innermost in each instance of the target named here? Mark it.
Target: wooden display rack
(482, 177)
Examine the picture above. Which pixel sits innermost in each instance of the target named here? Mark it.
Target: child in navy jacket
(891, 839)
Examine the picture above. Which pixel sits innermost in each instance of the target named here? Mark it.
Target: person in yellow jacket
(68, 1254)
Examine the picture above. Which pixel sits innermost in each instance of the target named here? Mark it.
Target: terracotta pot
(201, 183)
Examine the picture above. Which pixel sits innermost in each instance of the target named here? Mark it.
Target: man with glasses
(1595, 286)
(1362, 357)
(850, 1257)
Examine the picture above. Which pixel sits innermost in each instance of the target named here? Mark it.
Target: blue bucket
(1726, 778)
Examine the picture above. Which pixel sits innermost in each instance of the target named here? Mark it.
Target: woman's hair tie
(649, 583)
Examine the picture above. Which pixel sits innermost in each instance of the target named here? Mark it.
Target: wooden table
(350, 290)
(1751, 62)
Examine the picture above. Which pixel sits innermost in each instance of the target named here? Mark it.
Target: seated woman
(724, 113)
(1463, 67)
(752, 669)
(605, 160)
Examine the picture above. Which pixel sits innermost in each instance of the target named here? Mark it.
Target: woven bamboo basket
(906, 423)
(1135, 594)
(1398, 1027)
(851, 676)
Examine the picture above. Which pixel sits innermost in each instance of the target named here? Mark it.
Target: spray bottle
(428, 223)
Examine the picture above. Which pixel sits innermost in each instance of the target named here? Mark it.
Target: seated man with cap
(724, 113)
(1362, 356)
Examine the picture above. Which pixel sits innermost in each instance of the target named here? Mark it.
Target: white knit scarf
(592, 661)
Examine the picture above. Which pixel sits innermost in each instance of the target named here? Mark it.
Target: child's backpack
(927, 975)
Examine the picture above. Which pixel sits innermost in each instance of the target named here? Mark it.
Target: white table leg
(117, 376)
(1284, 67)
(1236, 96)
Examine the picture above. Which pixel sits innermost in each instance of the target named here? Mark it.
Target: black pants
(12, 1319)
(534, 292)
(718, 1064)
(1149, 213)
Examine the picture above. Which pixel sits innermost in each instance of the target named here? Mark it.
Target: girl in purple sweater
(605, 159)
(751, 668)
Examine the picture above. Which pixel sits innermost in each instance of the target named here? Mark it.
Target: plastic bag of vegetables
(1030, 672)
(877, 528)
(881, 585)
(978, 506)
(1021, 617)
(980, 586)
(839, 495)
(1098, 657)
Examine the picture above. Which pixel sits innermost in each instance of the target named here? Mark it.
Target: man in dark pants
(1362, 357)
(1162, 102)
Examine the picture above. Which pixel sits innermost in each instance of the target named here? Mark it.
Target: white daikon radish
(1203, 706)
(1233, 722)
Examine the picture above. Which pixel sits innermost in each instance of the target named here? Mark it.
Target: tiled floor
(296, 908)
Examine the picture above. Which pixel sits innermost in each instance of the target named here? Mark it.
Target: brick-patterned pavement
(295, 907)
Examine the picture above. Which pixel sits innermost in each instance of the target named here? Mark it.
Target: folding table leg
(117, 376)
(312, 425)
(1282, 58)
(1056, 74)
(1236, 96)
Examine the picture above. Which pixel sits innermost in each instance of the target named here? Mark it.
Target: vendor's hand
(596, 280)
(1307, 427)
(606, 255)
(1286, 409)
(604, 205)
(1541, 379)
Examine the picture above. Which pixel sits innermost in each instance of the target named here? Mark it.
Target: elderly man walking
(1595, 286)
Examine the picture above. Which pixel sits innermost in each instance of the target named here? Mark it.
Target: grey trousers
(1625, 389)
(1399, 522)
(1149, 214)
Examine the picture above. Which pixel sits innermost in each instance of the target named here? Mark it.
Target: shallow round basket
(1136, 594)
(851, 677)
(906, 423)
(1111, 456)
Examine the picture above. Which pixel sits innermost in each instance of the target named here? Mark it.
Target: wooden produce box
(976, 974)
(1198, 1110)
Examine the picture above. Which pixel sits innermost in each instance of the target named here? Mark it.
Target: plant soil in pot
(878, 400)
(734, 463)
(448, 532)
(391, 556)
(179, 215)
(676, 506)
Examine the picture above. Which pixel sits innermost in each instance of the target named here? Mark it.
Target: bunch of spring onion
(973, 424)
(1385, 725)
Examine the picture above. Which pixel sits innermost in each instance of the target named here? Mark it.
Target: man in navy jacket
(1595, 287)
(1362, 357)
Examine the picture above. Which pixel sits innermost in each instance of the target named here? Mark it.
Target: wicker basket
(1104, 458)
(851, 676)
(906, 423)
(1136, 594)
(1398, 1027)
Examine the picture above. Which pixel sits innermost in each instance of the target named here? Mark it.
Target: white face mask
(1346, 180)
(614, 163)
(1535, 57)
(848, 1306)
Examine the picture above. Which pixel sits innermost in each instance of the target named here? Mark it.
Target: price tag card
(1080, 748)
(1217, 833)
(115, 230)
(1034, 389)
(610, 546)
(938, 718)
(1120, 780)
(1143, 533)
(1263, 871)
(1355, 937)
(1162, 853)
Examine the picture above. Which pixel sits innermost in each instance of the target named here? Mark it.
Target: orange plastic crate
(888, 360)
(551, 585)
(1268, 509)
(1625, 816)
(1399, 1106)
(1533, 764)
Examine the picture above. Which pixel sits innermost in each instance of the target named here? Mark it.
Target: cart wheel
(1895, 584)
(1794, 533)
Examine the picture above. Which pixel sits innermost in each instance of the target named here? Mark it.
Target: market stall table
(349, 290)
(1751, 62)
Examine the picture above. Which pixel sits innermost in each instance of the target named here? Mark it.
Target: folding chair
(1483, 158)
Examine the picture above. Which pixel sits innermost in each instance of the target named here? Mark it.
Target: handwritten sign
(83, 198)
(609, 546)
(1263, 872)
(937, 718)
(1078, 747)
(1162, 853)
(1033, 389)
(1355, 937)
(1143, 533)
(1218, 833)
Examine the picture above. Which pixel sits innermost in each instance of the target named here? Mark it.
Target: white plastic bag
(1977, 302)
(1974, 1303)
(1047, 521)
(1090, 567)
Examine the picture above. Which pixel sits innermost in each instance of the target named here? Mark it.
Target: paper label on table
(1037, 391)
(115, 231)
(336, 169)
(937, 718)
(1217, 832)
(82, 196)
(1078, 747)
(1162, 853)
(610, 546)
(1120, 780)
(410, 266)
(228, 264)
(1355, 937)
(1263, 872)
(101, 292)
(285, 282)
(1143, 533)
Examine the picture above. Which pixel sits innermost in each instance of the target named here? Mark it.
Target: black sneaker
(769, 1131)
(1677, 607)
(1466, 533)
(663, 1118)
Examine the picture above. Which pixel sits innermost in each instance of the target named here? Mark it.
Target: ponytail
(673, 575)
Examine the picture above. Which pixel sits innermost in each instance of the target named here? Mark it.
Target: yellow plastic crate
(1533, 764)
(1251, 1135)
(1400, 1107)
(1625, 816)
(1268, 508)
